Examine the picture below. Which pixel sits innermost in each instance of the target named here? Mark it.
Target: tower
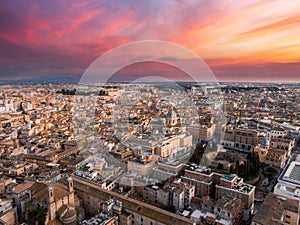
(70, 184)
(51, 207)
(71, 191)
(51, 194)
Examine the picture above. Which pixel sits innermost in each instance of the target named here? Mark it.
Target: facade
(141, 167)
(206, 132)
(276, 158)
(177, 198)
(278, 132)
(283, 143)
(8, 214)
(21, 196)
(178, 194)
(232, 185)
(242, 139)
(165, 170)
(167, 146)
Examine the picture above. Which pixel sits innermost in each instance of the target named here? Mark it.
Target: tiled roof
(40, 191)
(21, 187)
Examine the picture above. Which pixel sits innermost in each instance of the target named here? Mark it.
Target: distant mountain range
(42, 80)
(76, 79)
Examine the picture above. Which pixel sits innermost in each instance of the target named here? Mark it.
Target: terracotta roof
(21, 187)
(40, 191)
(234, 205)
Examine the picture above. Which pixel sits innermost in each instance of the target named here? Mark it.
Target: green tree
(198, 153)
(231, 169)
(37, 215)
(220, 166)
(237, 165)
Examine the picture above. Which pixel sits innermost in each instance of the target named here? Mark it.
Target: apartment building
(284, 143)
(206, 132)
(276, 158)
(166, 147)
(216, 185)
(243, 139)
(178, 194)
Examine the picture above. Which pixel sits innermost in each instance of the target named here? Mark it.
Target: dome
(265, 141)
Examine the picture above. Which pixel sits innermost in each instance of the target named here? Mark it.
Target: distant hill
(42, 80)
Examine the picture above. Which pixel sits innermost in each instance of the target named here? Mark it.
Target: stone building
(59, 201)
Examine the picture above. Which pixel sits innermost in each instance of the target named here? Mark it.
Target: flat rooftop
(229, 177)
(292, 173)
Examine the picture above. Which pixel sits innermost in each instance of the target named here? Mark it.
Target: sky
(247, 40)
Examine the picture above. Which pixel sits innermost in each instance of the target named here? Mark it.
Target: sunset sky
(239, 40)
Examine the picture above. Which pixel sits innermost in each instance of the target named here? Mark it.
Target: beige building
(224, 211)
(177, 194)
(232, 185)
(276, 158)
(206, 132)
(277, 210)
(243, 139)
(217, 185)
(141, 167)
(8, 214)
(275, 151)
(167, 146)
(283, 143)
(92, 196)
(58, 199)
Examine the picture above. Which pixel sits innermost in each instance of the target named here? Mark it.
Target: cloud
(63, 37)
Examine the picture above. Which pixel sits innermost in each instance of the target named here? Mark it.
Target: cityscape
(150, 112)
(143, 164)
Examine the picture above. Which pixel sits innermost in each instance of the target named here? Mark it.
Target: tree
(198, 153)
(220, 166)
(237, 165)
(37, 215)
(231, 169)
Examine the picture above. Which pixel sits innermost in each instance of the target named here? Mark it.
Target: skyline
(240, 41)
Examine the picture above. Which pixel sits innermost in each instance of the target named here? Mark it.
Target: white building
(289, 182)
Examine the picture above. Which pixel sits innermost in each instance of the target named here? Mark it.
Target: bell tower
(71, 191)
(51, 194)
(70, 184)
(51, 208)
